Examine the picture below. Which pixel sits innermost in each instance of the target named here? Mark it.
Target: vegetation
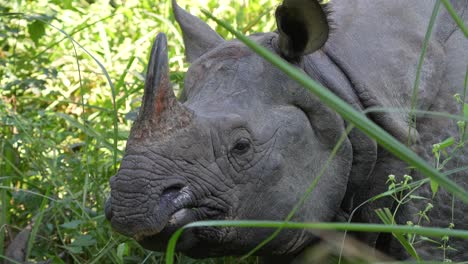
(71, 75)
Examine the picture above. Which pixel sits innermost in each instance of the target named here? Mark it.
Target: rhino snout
(134, 218)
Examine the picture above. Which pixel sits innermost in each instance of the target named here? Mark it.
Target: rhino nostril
(177, 196)
(171, 192)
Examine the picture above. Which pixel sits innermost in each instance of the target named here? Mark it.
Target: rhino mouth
(157, 239)
(190, 238)
(180, 218)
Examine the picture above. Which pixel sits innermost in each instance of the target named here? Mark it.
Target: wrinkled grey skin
(245, 141)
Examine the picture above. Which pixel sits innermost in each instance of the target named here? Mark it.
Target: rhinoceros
(244, 141)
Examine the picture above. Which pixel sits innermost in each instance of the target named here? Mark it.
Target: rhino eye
(241, 146)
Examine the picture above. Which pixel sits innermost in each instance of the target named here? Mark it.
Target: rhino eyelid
(241, 146)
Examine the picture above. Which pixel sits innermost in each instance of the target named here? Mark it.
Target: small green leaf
(434, 188)
(446, 143)
(387, 218)
(36, 30)
(451, 248)
(84, 241)
(122, 250)
(424, 238)
(72, 224)
(465, 110)
(417, 197)
(67, 4)
(75, 250)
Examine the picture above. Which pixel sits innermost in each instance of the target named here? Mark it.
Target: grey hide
(245, 141)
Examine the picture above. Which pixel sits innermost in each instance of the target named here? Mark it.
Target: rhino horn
(303, 27)
(160, 112)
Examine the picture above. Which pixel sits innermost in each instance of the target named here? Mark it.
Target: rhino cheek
(278, 182)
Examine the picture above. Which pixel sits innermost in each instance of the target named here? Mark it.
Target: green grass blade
(419, 112)
(386, 216)
(87, 130)
(465, 88)
(414, 95)
(10, 260)
(256, 20)
(105, 251)
(73, 32)
(30, 192)
(5, 172)
(168, 24)
(36, 224)
(350, 114)
(455, 17)
(121, 82)
(358, 227)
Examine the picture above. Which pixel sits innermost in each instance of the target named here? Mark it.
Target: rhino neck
(325, 70)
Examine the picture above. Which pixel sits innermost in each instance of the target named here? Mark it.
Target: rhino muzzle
(152, 215)
(137, 215)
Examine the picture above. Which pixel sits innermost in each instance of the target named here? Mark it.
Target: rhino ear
(303, 27)
(198, 36)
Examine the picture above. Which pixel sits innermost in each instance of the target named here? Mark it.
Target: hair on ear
(303, 27)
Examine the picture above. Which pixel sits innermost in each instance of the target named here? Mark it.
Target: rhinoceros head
(244, 142)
